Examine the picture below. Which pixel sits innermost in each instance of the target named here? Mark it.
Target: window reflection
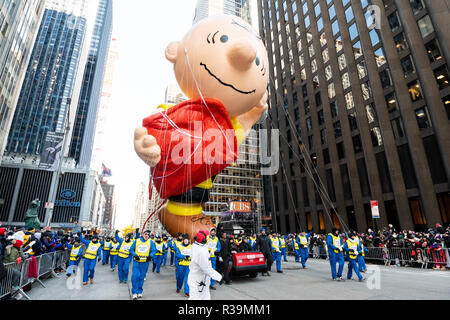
(345, 80)
(328, 72)
(371, 113)
(391, 102)
(342, 62)
(357, 51)
(366, 90)
(339, 45)
(423, 118)
(325, 55)
(349, 100)
(375, 134)
(380, 58)
(331, 91)
(414, 90)
(362, 71)
(400, 42)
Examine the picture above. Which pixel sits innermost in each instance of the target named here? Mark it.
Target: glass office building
(19, 23)
(207, 8)
(359, 90)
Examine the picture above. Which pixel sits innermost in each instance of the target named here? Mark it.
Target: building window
(305, 8)
(383, 170)
(317, 10)
(308, 124)
(394, 22)
(417, 213)
(425, 26)
(380, 57)
(349, 100)
(442, 77)
(391, 101)
(337, 129)
(349, 15)
(328, 73)
(423, 118)
(345, 2)
(407, 66)
(397, 128)
(323, 136)
(338, 44)
(432, 48)
(361, 67)
(346, 182)
(307, 22)
(357, 145)
(325, 55)
(342, 62)
(340, 150)
(320, 117)
(366, 91)
(333, 109)
(385, 78)
(409, 174)
(345, 80)
(311, 51)
(371, 113)
(434, 157)
(374, 38)
(400, 42)
(357, 50)
(375, 134)
(352, 121)
(416, 5)
(326, 156)
(318, 98)
(331, 12)
(320, 25)
(335, 27)
(363, 177)
(331, 90)
(414, 90)
(446, 102)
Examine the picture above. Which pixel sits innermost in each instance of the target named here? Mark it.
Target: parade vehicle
(249, 263)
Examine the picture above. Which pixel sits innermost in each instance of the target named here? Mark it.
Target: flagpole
(55, 182)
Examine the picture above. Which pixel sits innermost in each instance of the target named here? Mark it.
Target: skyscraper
(83, 134)
(359, 91)
(207, 8)
(19, 23)
(48, 89)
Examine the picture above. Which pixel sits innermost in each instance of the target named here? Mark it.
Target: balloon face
(222, 57)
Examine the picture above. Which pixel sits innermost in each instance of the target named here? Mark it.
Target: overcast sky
(142, 28)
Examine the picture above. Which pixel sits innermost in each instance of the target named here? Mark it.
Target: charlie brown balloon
(221, 65)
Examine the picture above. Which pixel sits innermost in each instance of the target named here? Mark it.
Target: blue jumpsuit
(171, 246)
(183, 267)
(158, 258)
(123, 264)
(165, 252)
(213, 257)
(360, 260)
(89, 264)
(140, 268)
(352, 258)
(73, 264)
(335, 256)
(105, 255)
(276, 252)
(283, 250)
(304, 254)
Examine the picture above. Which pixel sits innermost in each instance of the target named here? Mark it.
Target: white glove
(356, 252)
(220, 259)
(340, 249)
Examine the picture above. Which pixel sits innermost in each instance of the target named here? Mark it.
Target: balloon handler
(221, 65)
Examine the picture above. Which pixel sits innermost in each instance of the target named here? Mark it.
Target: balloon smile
(224, 83)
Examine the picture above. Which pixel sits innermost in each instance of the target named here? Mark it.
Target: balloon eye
(224, 38)
(257, 61)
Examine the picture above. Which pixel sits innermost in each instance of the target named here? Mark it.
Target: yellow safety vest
(336, 242)
(296, 247)
(275, 242)
(74, 253)
(352, 245)
(159, 248)
(212, 245)
(252, 241)
(28, 249)
(107, 246)
(303, 240)
(175, 244)
(185, 251)
(124, 250)
(142, 249)
(91, 250)
(114, 249)
(167, 245)
(238, 242)
(283, 243)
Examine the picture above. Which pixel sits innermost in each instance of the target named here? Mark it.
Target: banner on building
(374, 207)
(240, 206)
(51, 152)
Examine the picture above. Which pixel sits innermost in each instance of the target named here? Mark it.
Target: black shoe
(178, 290)
(279, 271)
(212, 287)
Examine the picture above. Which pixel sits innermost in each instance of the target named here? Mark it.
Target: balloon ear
(171, 51)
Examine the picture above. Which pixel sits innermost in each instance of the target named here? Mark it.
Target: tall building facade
(83, 134)
(141, 206)
(19, 23)
(207, 8)
(109, 214)
(359, 90)
(48, 89)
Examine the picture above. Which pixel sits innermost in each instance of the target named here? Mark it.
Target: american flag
(106, 171)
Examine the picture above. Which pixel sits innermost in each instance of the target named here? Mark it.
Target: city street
(293, 284)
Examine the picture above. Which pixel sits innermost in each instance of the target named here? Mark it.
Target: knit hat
(18, 244)
(2, 231)
(201, 236)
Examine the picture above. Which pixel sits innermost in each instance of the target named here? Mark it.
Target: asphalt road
(391, 283)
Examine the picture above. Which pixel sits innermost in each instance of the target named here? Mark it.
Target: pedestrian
(113, 252)
(200, 269)
(123, 256)
(252, 241)
(360, 259)
(245, 245)
(225, 256)
(158, 258)
(142, 250)
(335, 249)
(213, 245)
(296, 245)
(183, 254)
(166, 245)
(283, 247)
(76, 252)
(263, 245)
(93, 251)
(353, 250)
(276, 251)
(106, 250)
(303, 240)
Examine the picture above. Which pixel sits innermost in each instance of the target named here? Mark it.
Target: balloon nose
(241, 55)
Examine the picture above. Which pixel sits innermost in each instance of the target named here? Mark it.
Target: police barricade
(11, 283)
(46, 262)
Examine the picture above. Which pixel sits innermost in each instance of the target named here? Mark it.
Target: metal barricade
(11, 283)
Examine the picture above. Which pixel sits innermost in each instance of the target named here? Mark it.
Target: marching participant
(75, 256)
(166, 244)
(142, 250)
(296, 246)
(123, 256)
(93, 251)
(353, 250)
(276, 252)
(303, 241)
(183, 255)
(106, 249)
(283, 246)
(200, 270)
(252, 241)
(213, 245)
(360, 260)
(113, 252)
(335, 249)
(158, 258)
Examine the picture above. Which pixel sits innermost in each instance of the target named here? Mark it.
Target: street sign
(49, 205)
(374, 207)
